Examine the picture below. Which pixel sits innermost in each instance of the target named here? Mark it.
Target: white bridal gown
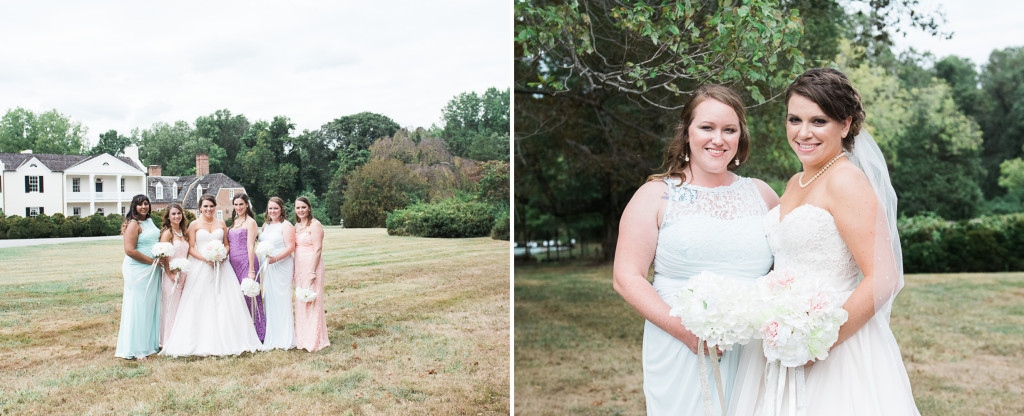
(212, 318)
(864, 375)
(704, 229)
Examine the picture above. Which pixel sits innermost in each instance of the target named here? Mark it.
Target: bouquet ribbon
(791, 377)
(148, 274)
(705, 390)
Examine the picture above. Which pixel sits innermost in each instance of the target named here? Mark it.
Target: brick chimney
(202, 164)
(154, 170)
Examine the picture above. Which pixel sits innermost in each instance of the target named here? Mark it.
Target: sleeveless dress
(239, 254)
(862, 376)
(310, 320)
(277, 292)
(704, 229)
(170, 294)
(212, 318)
(139, 334)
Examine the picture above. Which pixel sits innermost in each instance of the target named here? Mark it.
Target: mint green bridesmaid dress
(139, 335)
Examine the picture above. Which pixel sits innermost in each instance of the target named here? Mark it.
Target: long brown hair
(309, 215)
(248, 208)
(675, 154)
(182, 226)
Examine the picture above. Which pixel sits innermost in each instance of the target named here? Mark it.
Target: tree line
(599, 86)
(358, 167)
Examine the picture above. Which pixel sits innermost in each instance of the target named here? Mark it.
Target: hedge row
(451, 218)
(57, 225)
(985, 244)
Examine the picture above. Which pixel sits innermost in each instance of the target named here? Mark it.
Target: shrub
(500, 231)
(451, 218)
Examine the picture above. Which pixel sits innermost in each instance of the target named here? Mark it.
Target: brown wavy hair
(835, 95)
(248, 208)
(309, 217)
(183, 226)
(280, 203)
(675, 154)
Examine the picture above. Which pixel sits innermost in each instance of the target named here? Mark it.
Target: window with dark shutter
(27, 213)
(40, 184)
(26, 186)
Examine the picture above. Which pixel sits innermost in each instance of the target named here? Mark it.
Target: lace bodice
(808, 243)
(711, 229)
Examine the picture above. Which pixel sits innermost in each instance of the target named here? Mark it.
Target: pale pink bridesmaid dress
(310, 320)
(170, 294)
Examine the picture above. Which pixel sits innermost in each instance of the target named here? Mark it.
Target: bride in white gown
(838, 227)
(212, 316)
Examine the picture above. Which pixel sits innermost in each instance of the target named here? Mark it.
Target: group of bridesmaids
(203, 311)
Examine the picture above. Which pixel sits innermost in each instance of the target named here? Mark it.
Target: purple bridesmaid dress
(239, 253)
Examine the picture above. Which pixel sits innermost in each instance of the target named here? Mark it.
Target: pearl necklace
(800, 180)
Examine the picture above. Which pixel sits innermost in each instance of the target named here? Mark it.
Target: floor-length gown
(239, 254)
(170, 293)
(139, 334)
(277, 292)
(310, 319)
(862, 376)
(703, 229)
(212, 318)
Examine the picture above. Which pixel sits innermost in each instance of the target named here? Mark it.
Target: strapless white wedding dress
(864, 375)
(212, 315)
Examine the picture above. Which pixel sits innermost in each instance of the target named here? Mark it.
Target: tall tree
(349, 138)
(261, 162)
(226, 131)
(477, 127)
(49, 132)
(112, 143)
(1003, 120)
(174, 147)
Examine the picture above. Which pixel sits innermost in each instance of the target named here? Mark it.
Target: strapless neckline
(778, 211)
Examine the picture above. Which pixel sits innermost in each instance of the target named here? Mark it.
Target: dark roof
(187, 187)
(56, 163)
(168, 183)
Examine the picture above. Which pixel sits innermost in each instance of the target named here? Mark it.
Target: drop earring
(686, 158)
(737, 161)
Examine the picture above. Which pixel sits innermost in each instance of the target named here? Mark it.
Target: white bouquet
(264, 248)
(306, 295)
(179, 265)
(250, 287)
(163, 250)
(718, 310)
(800, 321)
(214, 251)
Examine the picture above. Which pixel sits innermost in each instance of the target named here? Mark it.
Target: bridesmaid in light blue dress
(139, 335)
(696, 216)
(277, 292)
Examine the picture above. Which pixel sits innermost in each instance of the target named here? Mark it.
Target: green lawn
(416, 325)
(577, 343)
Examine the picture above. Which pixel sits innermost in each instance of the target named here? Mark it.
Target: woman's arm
(250, 245)
(771, 199)
(131, 239)
(317, 232)
(288, 232)
(166, 237)
(853, 205)
(634, 253)
(227, 244)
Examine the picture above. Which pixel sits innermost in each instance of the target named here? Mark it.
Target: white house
(33, 184)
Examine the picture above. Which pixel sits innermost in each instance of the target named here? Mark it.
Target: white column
(92, 193)
(119, 196)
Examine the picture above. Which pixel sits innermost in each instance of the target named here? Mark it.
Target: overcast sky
(978, 26)
(126, 64)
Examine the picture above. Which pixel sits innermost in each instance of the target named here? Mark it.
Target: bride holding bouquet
(212, 316)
